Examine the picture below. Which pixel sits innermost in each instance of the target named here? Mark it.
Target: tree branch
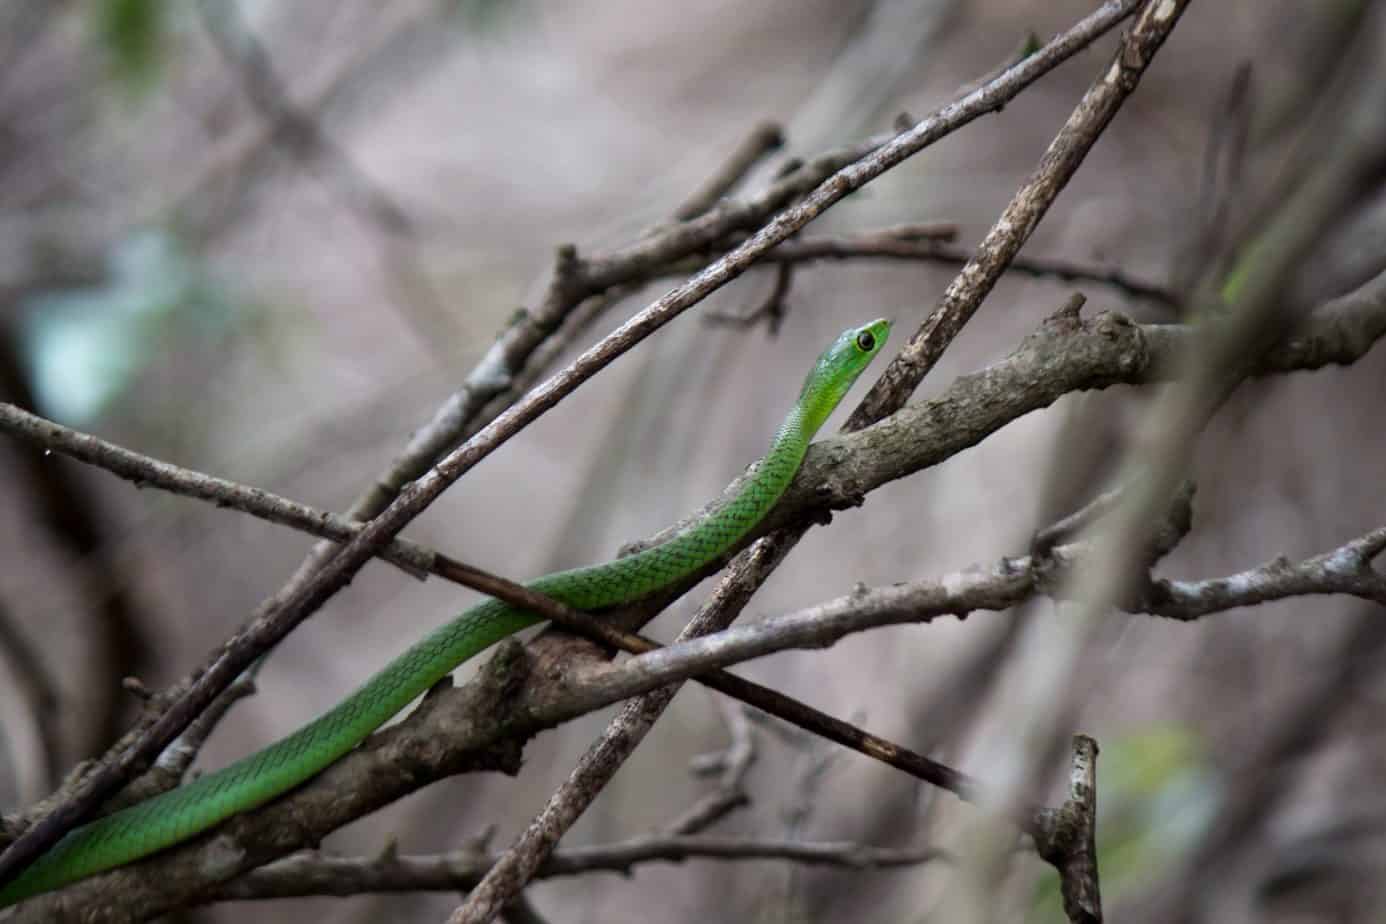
(315, 874)
(1023, 213)
(1071, 841)
(142, 470)
(886, 246)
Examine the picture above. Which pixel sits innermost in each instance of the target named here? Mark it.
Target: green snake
(174, 816)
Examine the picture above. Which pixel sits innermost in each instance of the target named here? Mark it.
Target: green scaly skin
(175, 816)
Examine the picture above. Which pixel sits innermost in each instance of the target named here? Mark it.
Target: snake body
(174, 816)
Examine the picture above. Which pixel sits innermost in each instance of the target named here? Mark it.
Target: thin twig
(731, 764)
(1022, 214)
(172, 766)
(143, 470)
(885, 246)
(772, 309)
(764, 139)
(1346, 570)
(315, 874)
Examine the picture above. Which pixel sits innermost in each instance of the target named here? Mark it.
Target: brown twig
(998, 249)
(1346, 570)
(882, 245)
(764, 139)
(315, 874)
(142, 470)
(172, 766)
(731, 766)
(1070, 841)
(772, 308)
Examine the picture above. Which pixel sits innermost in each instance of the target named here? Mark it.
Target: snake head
(837, 368)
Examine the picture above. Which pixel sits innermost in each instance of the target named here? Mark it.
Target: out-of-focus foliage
(484, 14)
(132, 34)
(88, 345)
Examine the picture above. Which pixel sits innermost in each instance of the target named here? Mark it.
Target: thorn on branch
(1070, 312)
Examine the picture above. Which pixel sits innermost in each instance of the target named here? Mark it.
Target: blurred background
(188, 272)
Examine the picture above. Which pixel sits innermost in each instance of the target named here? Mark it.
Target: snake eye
(866, 341)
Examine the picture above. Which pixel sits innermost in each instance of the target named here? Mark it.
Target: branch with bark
(315, 874)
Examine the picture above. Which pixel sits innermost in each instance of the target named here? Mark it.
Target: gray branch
(315, 874)
(142, 470)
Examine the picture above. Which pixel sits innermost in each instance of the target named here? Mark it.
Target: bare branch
(764, 139)
(731, 765)
(1345, 570)
(1020, 217)
(1070, 844)
(142, 470)
(887, 246)
(315, 874)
